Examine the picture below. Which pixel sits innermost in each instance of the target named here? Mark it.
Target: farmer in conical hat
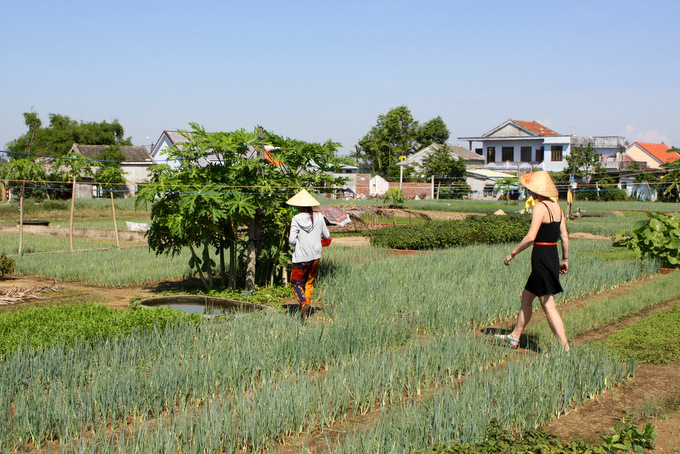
(306, 232)
(547, 226)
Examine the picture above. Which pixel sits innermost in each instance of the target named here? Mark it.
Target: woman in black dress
(547, 225)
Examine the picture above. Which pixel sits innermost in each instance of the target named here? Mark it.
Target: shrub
(395, 198)
(442, 234)
(7, 265)
(656, 237)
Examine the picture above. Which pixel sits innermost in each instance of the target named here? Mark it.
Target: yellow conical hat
(303, 199)
(539, 183)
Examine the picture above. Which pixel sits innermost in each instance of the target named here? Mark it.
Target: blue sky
(319, 70)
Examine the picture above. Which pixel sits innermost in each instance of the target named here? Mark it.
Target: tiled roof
(132, 154)
(537, 128)
(659, 151)
(175, 137)
(465, 154)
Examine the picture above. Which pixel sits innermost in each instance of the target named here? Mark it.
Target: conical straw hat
(539, 183)
(303, 199)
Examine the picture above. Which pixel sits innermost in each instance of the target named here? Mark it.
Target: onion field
(395, 359)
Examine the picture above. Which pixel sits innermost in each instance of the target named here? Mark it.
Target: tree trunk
(223, 270)
(206, 263)
(21, 218)
(232, 265)
(115, 225)
(200, 271)
(255, 233)
(73, 204)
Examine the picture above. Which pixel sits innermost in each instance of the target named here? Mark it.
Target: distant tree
(108, 171)
(62, 133)
(393, 136)
(443, 165)
(447, 171)
(403, 173)
(433, 131)
(25, 168)
(582, 162)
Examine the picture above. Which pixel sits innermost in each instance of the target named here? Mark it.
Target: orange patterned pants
(302, 280)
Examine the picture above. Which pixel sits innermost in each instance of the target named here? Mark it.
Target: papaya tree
(670, 182)
(70, 168)
(17, 173)
(109, 174)
(229, 193)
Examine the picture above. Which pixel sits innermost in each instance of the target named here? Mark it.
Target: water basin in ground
(206, 305)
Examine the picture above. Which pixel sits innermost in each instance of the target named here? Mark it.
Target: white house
(521, 145)
(165, 141)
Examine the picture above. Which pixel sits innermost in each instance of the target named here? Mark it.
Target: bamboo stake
(115, 225)
(21, 216)
(73, 204)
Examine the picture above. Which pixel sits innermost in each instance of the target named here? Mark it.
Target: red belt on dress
(546, 244)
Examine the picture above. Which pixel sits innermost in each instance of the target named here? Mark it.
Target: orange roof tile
(271, 160)
(659, 151)
(537, 128)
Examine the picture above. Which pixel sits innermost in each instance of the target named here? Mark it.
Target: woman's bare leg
(526, 298)
(554, 319)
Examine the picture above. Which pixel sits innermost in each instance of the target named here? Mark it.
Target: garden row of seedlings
(248, 382)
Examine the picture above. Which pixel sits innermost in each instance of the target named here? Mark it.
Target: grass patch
(78, 319)
(111, 268)
(652, 340)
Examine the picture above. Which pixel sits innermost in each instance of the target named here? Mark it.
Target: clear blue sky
(325, 69)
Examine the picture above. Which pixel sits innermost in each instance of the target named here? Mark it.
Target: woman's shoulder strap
(549, 212)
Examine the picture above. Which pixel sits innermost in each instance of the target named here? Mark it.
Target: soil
(652, 385)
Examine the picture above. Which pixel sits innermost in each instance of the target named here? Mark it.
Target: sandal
(512, 343)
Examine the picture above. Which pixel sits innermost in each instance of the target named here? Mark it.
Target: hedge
(442, 234)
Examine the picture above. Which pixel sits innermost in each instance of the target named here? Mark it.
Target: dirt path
(119, 297)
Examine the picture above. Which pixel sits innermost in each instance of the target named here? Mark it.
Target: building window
(479, 151)
(526, 154)
(508, 153)
(490, 154)
(556, 153)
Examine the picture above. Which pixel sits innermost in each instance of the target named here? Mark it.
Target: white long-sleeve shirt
(306, 236)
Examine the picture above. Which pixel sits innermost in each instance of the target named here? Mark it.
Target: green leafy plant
(656, 237)
(395, 197)
(499, 440)
(7, 265)
(627, 436)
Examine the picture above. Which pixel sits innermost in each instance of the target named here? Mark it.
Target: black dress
(545, 260)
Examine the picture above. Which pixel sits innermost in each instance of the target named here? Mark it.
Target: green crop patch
(652, 340)
(84, 319)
